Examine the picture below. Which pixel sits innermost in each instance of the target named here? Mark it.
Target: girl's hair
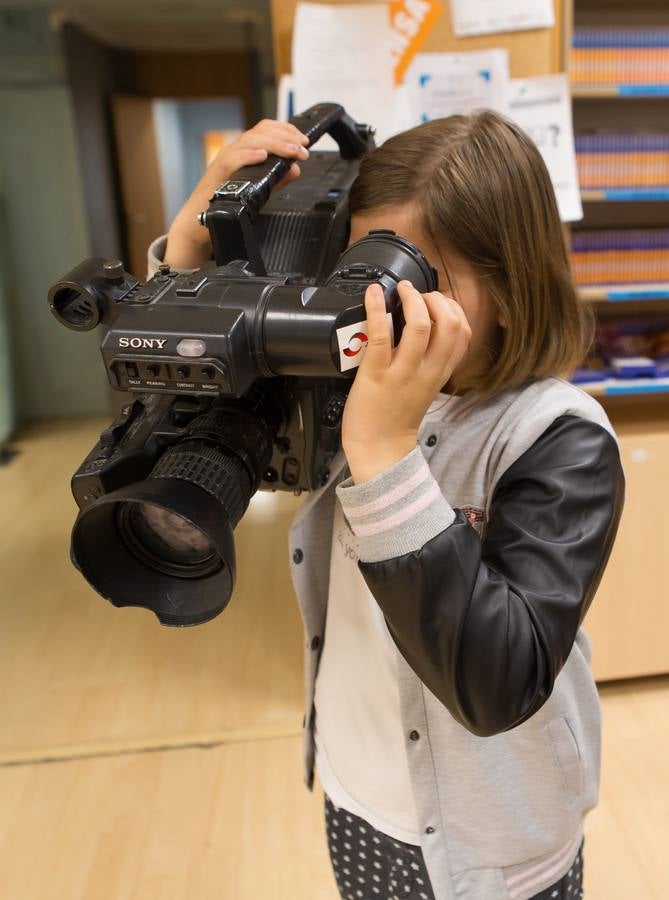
(481, 188)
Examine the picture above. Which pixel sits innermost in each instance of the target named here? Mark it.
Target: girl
(451, 713)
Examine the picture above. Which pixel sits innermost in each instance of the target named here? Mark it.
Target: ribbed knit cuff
(397, 511)
(156, 257)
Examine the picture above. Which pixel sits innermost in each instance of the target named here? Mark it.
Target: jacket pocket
(566, 754)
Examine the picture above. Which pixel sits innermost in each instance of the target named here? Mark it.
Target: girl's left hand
(393, 388)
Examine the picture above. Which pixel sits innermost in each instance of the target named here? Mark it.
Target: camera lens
(166, 541)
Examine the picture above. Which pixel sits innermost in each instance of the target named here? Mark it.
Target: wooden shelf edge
(620, 387)
(626, 195)
(619, 91)
(622, 293)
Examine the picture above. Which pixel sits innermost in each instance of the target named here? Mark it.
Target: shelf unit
(629, 619)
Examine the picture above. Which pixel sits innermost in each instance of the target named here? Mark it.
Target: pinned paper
(542, 108)
(444, 84)
(343, 54)
(488, 16)
(411, 22)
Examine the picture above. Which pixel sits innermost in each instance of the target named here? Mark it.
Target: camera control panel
(170, 375)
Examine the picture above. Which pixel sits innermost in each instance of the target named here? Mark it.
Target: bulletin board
(534, 52)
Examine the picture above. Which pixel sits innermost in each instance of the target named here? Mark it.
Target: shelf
(622, 91)
(616, 293)
(625, 195)
(616, 387)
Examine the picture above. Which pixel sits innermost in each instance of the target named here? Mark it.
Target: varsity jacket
(484, 547)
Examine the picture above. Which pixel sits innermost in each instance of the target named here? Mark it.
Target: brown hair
(481, 189)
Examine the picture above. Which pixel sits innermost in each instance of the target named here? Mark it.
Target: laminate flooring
(140, 762)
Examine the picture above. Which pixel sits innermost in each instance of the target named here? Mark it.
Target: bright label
(352, 340)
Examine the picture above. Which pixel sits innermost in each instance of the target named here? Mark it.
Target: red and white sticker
(352, 341)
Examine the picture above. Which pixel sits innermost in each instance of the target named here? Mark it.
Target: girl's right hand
(188, 245)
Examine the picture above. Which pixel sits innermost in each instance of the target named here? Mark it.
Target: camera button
(191, 347)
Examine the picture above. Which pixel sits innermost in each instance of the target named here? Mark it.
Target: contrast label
(352, 340)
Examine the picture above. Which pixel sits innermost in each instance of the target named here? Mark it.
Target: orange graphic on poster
(411, 22)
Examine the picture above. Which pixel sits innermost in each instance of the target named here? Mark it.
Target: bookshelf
(630, 616)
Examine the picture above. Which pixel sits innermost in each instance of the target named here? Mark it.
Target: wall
(56, 372)
(94, 72)
(6, 379)
(179, 128)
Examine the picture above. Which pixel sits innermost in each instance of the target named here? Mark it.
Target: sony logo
(143, 343)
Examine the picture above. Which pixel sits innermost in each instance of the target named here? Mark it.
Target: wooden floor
(139, 762)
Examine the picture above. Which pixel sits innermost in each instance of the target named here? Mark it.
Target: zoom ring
(217, 473)
(247, 434)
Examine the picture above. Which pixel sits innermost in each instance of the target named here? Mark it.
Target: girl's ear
(501, 320)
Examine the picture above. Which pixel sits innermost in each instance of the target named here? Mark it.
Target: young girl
(451, 713)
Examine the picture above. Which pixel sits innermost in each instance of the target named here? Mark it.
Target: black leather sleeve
(488, 624)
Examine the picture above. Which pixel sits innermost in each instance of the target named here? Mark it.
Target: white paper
(445, 84)
(542, 108)
(487, 16)
(342, 54)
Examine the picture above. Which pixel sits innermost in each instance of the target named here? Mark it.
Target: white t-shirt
(360, 741)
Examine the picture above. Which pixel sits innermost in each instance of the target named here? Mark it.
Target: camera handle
(234, 206)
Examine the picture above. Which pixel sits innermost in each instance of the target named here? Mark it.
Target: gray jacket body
(500, 811)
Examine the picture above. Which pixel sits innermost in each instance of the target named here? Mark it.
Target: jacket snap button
(429, 830)
(298, 556)
(315, 643)
(414, 735)
(432, 440)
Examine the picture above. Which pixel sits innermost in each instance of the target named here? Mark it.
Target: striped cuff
(397, 511)
(156, 257)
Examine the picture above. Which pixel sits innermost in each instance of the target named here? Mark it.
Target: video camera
(240, 370)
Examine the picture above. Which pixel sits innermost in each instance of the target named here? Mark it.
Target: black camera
(240, 372)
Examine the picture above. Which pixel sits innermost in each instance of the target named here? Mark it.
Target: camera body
(240, 372)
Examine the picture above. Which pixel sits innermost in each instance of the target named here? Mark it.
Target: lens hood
(108, 562)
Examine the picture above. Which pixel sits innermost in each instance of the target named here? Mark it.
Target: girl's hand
(394, 388)
(188, 243)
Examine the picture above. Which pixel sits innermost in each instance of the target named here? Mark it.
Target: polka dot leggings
(370, 865)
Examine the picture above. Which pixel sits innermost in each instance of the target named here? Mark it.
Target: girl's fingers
(244, 156)
(293, 173)
(379, 347)
(273, 144)
(279, 132)
(416, 335)
(450, 334)
(282, 129)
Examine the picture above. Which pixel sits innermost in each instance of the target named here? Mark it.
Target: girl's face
(457, 278)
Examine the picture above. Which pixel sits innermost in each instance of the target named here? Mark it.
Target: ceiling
(163, 24)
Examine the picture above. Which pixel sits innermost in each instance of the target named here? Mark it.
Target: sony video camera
(239, 373)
